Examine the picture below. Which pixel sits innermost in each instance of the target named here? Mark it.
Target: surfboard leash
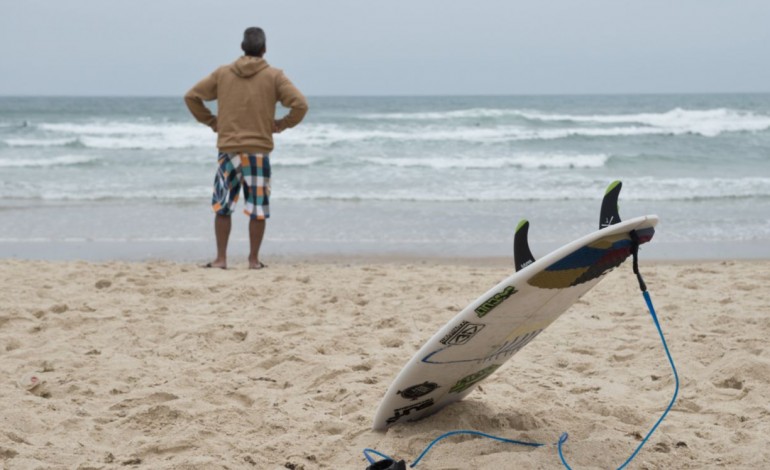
(394, 464)
(635, 242)
(389, 463)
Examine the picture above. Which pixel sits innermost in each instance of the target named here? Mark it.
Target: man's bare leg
(222, 224)
(256, 233)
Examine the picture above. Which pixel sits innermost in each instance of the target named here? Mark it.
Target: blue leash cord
(563, 437)
(450, 434)
(676, 379)
(473, 433)
(368, 451)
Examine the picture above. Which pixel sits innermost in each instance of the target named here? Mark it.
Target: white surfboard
(489, 331)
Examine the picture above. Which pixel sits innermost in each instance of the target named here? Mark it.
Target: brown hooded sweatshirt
(246, 92)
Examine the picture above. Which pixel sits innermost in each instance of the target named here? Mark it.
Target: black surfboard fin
(610, 212)
(522, 256)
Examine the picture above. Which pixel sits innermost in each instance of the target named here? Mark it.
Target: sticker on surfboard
(482, 337)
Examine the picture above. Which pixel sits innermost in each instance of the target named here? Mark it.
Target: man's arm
(290, 97)
(204, 90)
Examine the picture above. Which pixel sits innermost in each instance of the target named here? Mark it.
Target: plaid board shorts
(252, 171)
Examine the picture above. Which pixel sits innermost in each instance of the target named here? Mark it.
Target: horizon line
(406, 95)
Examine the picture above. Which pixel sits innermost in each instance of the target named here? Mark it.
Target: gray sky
(385, 47)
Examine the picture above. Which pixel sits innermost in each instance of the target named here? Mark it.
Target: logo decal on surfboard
(494, 301)
(589, 262)
(399, 413)
(508, 348)
(416, 391)
(470, 380)
(461, 334)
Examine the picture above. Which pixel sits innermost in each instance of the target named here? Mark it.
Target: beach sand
(162, 365)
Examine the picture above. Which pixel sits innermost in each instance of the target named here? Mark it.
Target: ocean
(443, 176)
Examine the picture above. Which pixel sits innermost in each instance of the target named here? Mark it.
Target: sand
(161, 365)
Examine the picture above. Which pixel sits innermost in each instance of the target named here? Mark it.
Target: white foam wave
(329, 134)
(440, 115)
(324, 135)
(708, 122)
(120, 135)
(646, 190)
(170, 135)
(76, 193)
(689, 189)
(547, 189)
(641, 189)
(113, 128)
(62, 160)
(529, 161)
(282, 160)
(42, 142)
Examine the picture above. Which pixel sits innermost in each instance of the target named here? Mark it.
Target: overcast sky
(387, 47)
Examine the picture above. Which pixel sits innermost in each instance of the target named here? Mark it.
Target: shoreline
(302, 230)
(291, 252)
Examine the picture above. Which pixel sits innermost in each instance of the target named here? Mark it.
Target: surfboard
(502, 321)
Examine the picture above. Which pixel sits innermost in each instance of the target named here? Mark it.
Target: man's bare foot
(257, 265)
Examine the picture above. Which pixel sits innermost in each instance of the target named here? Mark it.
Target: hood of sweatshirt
(247, 66)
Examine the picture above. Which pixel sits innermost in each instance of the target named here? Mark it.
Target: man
(246, 92)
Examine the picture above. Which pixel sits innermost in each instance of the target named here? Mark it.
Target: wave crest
(62, 160)
(707, 122)
(528, 161)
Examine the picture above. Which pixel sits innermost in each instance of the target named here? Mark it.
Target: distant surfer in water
(246, 92)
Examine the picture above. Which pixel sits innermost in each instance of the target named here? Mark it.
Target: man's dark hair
(253, 42)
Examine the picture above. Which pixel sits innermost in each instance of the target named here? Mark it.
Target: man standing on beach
(246, 92)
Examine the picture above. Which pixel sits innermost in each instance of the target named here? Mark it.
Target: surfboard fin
(610, 213)
(522, 256)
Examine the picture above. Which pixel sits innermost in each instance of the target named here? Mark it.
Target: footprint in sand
(731, 382)
(155, 398)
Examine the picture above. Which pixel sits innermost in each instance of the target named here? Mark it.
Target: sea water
(129, 177)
